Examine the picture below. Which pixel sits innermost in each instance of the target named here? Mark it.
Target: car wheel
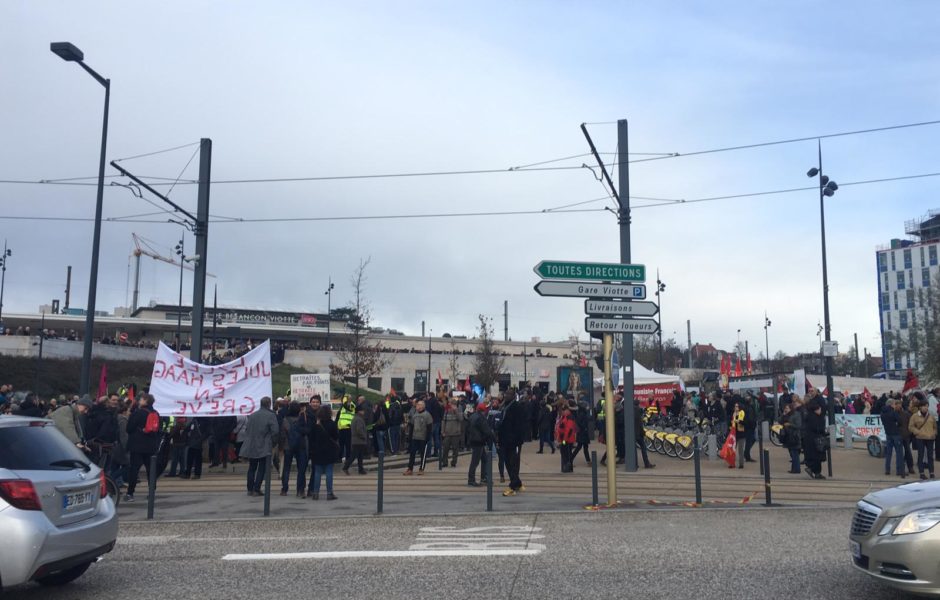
(875, 447)
(63, 577)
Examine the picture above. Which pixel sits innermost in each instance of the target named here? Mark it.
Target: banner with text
(863, 426)
(184, 388)
(304, 385)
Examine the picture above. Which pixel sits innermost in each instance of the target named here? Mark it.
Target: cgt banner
(183, 388)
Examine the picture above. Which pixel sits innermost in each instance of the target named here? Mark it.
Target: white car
(56, 518)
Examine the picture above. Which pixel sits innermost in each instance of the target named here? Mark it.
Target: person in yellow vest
(344, 419)
(737, 421)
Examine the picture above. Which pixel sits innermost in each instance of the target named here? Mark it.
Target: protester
(196, 432)
(436, 411)
(546, 421)
(451, 428)
(324, 452)
(639, 434)
(359, 439)
(344, 419)
(792, 420)
(891, 421)
(815, 440)
(178, 452)
(30, 407)
(923, 427)
(566, 434)
(481, 439)
(260, 437)
(419, 430)
(222, 428)
(737, 422)
(297, 427)
(394, 411)
(67, 419)
(143, 440)
(511, 436)
(907, 438)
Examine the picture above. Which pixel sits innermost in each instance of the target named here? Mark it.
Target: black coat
(479, 431)
(137, 440)
(891, 421)
(101, 425)
(324, 443)
(222, 427)
(814, 426)
(513, 428)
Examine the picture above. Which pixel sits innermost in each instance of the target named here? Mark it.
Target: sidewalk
(223, 495)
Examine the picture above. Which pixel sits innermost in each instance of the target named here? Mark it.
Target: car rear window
(35, 448)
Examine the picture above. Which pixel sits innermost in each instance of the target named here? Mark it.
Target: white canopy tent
(644, 376)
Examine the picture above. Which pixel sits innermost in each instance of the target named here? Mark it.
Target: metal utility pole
(855, 368)
(505, 320)
(660, 288)
(430, 331)
(767, 342)
(68, 287)
(688, 327)
(329, 310)
(215, 318)
(181, 252)
(609, 416)
(7, 253)
(525, 364)
(201, 231)
(623, 220)
(70, 53)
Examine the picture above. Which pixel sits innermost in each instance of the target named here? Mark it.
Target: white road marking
(383, 554)
(154, 540)
(483, 539)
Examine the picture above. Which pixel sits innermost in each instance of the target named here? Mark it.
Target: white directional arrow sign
(612, 307)
(581, 289)
(601, 325)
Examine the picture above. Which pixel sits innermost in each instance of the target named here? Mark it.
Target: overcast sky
(303, 89)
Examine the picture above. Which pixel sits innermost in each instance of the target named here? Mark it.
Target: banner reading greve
(183, 388)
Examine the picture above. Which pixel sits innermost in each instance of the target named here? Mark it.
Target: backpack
(153, 423)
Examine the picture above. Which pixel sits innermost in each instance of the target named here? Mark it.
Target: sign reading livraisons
(183, 388)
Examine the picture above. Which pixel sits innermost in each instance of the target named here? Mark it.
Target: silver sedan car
(895, 539)
(55, 516)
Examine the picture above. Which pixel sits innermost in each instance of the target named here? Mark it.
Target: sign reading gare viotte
(183, 388)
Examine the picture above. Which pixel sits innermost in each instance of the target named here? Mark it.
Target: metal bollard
(832, 444)
(267, 486)
(760, 446)
(847, 436)
(380, 485)
(712, 446)
(767, 499)
(696, 457)
(595, 499)
(151, 486)
(489, 478)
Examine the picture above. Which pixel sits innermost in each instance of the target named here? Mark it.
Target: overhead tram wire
(155, 152)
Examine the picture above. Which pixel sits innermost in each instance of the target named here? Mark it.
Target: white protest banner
(863, 426)
(183, 388)
(305, 385)
(798, 385)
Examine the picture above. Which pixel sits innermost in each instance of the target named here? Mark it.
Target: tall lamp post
(329, 309)
(181, 252)
(430, 331)
(66, 51)
(3, 278)
(827, 187)
(660, 288)
(767, 340)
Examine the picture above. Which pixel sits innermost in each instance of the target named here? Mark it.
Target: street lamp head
(832, 186)
(812, 172)
(823, 179)
(67, 51)
(828, 192)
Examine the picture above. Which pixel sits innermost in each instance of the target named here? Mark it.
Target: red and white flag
(728, 452)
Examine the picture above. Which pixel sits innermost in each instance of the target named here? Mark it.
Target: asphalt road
(662, 553)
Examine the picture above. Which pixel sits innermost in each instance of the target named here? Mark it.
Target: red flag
(723, 370)
(440, 380)
(737, 368)
(866, 395)
(910, 382)
(103, 382)
(583, 361)
(728, 452)
(466, 386)
(748, 363)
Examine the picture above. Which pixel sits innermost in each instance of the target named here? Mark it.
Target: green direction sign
(557, 269)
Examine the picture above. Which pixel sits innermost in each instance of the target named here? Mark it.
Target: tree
(454, 364)
(362, 355)
(487, 361)
(646, 350)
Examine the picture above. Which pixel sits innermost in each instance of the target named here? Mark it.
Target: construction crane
(143, 246)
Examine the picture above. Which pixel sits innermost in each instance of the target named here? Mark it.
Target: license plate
(75, 501)
(856, 549)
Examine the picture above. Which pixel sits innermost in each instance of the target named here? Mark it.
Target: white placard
(305, 385)
(184, 388)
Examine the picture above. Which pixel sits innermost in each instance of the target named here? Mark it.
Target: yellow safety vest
(345, 418)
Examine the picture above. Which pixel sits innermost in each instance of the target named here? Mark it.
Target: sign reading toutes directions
(557, 269)
(599, 308)
(579, 289)
(612, 325)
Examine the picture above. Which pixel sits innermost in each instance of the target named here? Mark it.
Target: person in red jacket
(566, 434)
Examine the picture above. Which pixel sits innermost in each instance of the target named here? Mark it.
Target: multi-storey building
(908, 288)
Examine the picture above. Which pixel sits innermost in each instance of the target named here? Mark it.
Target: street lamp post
(3, 278)
(660, 288)
(826, 188)
(180, 251)
(66, 51)
(767, 341)
(430, 331)
(329, 309)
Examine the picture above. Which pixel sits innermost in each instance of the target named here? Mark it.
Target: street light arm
(105, 82)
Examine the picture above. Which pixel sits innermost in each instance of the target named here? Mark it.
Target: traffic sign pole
(609, 415)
